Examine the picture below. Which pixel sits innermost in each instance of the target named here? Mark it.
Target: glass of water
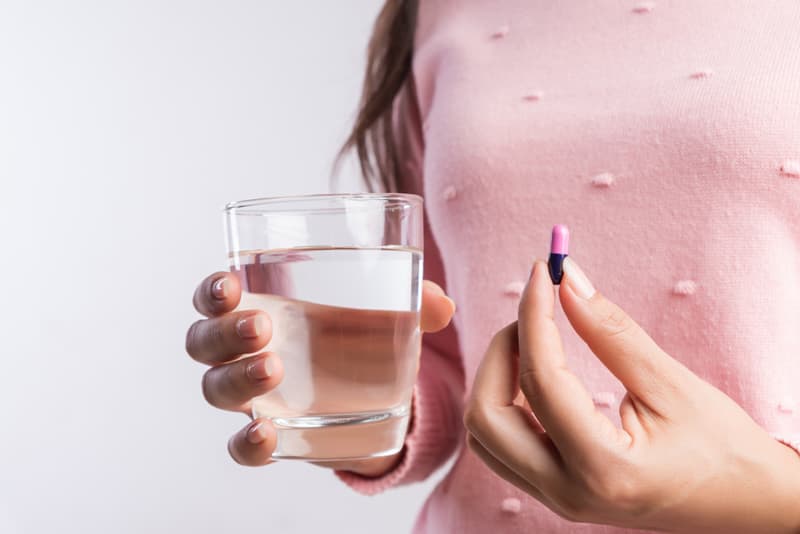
(341, 278)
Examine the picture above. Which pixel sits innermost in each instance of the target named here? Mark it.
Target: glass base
(354, 436)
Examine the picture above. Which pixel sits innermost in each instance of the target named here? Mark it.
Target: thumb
(618, 341)
(437, 308)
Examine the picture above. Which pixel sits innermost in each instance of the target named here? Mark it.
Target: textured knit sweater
(666, 135)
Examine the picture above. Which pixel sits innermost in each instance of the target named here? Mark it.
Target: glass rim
(266, 205)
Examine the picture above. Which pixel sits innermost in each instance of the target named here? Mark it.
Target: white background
(124, 128)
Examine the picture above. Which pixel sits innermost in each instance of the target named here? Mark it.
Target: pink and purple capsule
(559, 246)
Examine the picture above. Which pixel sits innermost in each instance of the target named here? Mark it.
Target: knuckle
(533, 383)
(215, 336)
(235, 376)
(615, 322)
(192, 335)
(223, 385)
(527, 382)
(208, 337)
(475, 416)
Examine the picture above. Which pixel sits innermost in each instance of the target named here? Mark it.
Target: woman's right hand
(231, 382)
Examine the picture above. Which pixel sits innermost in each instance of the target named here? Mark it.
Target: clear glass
(341, 278)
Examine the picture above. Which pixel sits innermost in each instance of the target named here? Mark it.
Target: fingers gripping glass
(341, 278)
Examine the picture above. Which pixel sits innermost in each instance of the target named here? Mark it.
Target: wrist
(761, 496)
(369, 467)
(376, 467)
(795, 493)
(788, 471)
(373, 467)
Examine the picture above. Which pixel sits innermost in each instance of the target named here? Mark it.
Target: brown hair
(388, 66)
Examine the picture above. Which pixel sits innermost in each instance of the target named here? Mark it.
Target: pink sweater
(666, 135)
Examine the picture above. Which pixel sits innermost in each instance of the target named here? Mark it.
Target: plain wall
(125, 126)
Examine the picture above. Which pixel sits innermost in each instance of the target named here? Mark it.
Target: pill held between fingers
(559, 247)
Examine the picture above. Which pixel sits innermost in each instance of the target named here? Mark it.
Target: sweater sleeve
(792, 441)
(435, 430)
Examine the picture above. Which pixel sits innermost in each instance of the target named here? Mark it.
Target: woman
(667, 137)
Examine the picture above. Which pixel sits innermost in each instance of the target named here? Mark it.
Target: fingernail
(250, 327)
(452, 303)
(219, 289)
(260, 369)
(436, 288)
(577, 280)
(256, 433)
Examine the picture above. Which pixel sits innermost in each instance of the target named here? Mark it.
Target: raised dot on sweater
(701, 74)
(684, 287)
(500, 32)
(791, 167)
(511, 505)
(643, 7)
(787, 405)
(533, 96)
(604, 398)
(514, 289)
(604, 179)
(450, 192)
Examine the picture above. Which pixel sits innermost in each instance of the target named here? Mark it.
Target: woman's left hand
(687, 458)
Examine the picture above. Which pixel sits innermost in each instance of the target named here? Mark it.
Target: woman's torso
(657, 132)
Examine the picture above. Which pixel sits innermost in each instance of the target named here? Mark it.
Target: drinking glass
(341, 278)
